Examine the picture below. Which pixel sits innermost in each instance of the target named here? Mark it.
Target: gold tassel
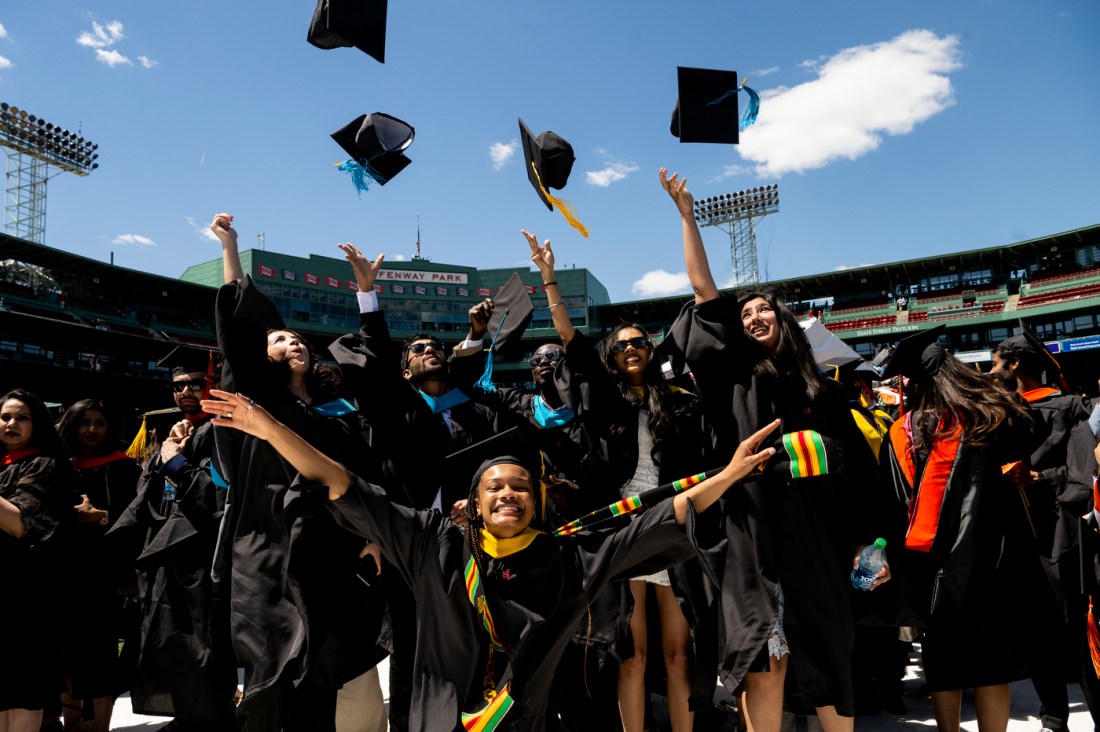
(542, 484)
(1094, 640)
(136, 450)
(564, 206)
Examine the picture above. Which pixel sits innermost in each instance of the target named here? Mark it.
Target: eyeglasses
(637, 343)
(417, 349)
(193, 385)
(553, 355)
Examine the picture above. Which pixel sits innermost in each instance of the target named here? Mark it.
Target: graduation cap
(509, 446)
(346, 23)
(1027, 347)
(549, 160)
(918, 355)
(512, 313)
(376, 143)
(706, 108)
(186, 360)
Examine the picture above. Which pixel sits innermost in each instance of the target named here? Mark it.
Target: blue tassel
(485, 383)
(749, 115)
(361, 174)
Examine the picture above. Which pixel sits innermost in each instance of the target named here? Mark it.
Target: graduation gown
(988, 612)
(30, 575)
(412, 441)
(536, 597)
(785, 527)
(185, 668)
(296, 606)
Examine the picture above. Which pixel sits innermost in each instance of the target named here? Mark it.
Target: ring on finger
(229, 415)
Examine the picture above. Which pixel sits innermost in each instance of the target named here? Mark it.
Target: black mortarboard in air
(510, 446)
(376, 142)
(186, 360)
(512, 312)
(706, 108)
(918, 356)
(548, 159)
(344, 23)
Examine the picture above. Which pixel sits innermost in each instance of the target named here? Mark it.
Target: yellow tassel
(542, 484)
(136, 450)
(564, 206)
(1094, 641)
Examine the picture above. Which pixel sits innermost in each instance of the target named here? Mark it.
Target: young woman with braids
(495, 589)
(792, 535)
(36, 507)
(963, 543)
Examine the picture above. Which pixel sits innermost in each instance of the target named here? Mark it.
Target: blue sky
(895, 129)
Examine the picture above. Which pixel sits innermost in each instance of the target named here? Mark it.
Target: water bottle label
(862, 580)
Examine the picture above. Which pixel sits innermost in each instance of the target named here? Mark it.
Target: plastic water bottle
(168, 498)
(871, 561)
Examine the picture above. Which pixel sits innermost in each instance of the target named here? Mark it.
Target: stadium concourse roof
(860, 281)
(81, 275)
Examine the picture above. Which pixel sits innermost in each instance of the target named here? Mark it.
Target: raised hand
(543, 256)
(366, 271)
(479, 316)
(746, 458)
(239, 412)
(677, 189)
(222, 226)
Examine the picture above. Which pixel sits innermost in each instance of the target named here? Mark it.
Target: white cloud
(660, 283)
(202, 230)
(729, 171)
(112, 58)
(138, 239)
(611, 173)
(147, 62)
(859, 94)
(101, 36)
(764, 72)
(500, 153)
(3, 31)
(842, 267)
(1061, 14)
(5, 63)
(397, 257)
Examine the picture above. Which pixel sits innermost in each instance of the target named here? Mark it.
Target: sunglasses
(637, 343)
(417, 349)
(553, 355)
(193, 385)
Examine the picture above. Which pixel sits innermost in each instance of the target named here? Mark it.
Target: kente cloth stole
(807, 453)
(929, 491)
(498, 701)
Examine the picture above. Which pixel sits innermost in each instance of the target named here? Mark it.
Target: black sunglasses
(553, 355)
(638, 343)
(193, 385)
(418, 348)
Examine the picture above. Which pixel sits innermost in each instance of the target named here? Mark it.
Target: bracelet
(547, 284)
(551, 306)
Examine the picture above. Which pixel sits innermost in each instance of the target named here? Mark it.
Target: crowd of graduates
(645, 519)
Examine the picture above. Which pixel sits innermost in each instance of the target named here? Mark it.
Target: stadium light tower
(33, 146)
(740, 211)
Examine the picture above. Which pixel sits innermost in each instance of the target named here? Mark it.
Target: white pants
(359, 705)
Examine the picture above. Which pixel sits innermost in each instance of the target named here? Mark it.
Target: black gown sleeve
(243, 315)
(369, 362)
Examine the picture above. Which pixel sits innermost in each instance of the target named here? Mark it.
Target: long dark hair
(656, 395)
(43, 436)
(958, 394)
(322, 382)
(69, 425)
(793, 356)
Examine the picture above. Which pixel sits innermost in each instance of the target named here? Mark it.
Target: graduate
(794, 533)
(498, 600)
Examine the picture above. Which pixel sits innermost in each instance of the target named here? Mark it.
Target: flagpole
(418, 236)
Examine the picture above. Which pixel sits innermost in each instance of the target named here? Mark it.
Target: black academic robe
(780, 531)
(30, 573)
(296, 605)
(536, 597)
(980, 593)
(412, 441)
(186, 668)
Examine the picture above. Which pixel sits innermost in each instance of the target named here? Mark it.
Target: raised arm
(240, 412)
(695, 256)
(745, 460)
(543, 257)
(222, 226)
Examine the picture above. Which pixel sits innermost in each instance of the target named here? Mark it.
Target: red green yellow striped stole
(476, 593)
(807, 453)
(489, 718)
(630, 505)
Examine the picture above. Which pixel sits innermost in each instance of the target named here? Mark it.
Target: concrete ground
(1025, 708)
